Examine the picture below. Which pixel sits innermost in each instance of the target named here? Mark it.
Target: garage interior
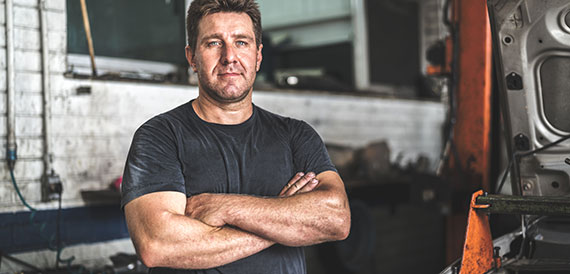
(446, 119)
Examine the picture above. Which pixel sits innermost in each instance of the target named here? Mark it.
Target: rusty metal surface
(478, 248)
(527, 205)
(473, 124)
(470, 169)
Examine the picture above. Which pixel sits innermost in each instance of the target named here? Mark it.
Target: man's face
(226, 57)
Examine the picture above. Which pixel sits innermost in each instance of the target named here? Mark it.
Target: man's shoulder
(272, 117)
(174, 115)
(178, 113)
(164, 125)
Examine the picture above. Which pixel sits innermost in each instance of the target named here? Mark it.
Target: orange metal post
(473, 116)
(473, 128)
(478, 248)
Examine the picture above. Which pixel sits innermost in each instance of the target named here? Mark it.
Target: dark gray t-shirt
(178, 151)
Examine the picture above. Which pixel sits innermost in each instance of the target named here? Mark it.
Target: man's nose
(228, 55)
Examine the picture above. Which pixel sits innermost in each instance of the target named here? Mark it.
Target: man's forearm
(303, 219)
(168, 239)
(210, 248)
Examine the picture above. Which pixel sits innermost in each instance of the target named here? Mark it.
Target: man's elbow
(343, 228)
(149, 254)
(341, 220)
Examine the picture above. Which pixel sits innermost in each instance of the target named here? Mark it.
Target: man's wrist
(230, 208)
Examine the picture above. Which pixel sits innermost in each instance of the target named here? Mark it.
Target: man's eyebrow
(219, 36)
(212, 36)
(243, 36)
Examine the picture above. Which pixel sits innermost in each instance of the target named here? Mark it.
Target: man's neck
(223, 113)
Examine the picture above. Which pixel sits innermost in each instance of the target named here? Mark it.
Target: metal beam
(469, 166)
(526, 205)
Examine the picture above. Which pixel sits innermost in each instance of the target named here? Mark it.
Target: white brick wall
(28, 106)
(410, 127)
(58, 5)
(28, 147)
(56, 20)
(27, 60)
(2, 14)
(3, 59)
(25, 16)
(27, 39)
(91, 133)
(57, 41)
(26, 3)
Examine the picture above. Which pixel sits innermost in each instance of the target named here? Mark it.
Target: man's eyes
(214, 43)
(219, 43)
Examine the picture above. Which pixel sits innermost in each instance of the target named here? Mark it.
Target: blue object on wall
(78, 226)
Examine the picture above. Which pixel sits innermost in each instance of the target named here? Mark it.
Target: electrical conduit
(48, 155)
(46, 90)
(11, 145)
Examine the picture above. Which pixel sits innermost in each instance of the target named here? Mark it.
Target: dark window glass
(151, 30)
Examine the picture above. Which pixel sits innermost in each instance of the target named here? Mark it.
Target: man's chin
(225, 97)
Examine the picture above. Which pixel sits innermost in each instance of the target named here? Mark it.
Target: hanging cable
(33, 210)
(11, 147)
(449, 144)
(51, 246)
(517, 156)
(504, 178)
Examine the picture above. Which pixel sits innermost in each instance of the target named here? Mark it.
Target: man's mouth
(229, 74)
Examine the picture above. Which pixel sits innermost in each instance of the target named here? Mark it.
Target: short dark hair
(201, 8)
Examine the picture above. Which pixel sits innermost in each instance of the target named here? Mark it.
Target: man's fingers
(312, 184)
(201, 208)
(291, 182)
(299, 184)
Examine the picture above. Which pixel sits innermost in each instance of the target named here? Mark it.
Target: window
(334, 45)
(142, 39)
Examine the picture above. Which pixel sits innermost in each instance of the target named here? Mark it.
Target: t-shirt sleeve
(309, 151)
(152, 163)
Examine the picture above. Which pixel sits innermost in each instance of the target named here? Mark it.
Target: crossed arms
(210, 230)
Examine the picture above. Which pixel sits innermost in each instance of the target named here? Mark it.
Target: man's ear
(190, 58)
(259, 57)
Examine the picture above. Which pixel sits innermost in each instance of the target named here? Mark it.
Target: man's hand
(207, 208)
(299, 184)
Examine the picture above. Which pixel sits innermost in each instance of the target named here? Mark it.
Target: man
(218, 185)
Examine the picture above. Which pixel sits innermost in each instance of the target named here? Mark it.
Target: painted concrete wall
(28, 98)
(91, 133)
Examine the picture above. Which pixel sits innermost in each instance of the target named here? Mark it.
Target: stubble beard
(218, 93)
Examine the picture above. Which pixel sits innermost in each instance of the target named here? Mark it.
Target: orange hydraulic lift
(469, 167)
